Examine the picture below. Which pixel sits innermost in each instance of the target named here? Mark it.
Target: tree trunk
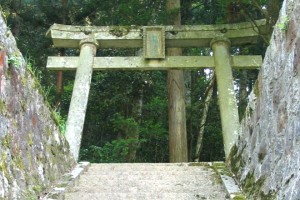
(133, 135)
(137, 110)
(177, 121)
(207, 99)
(190, 118)
(59, 76)
(64, 4)
(59, 88)
(59, 83)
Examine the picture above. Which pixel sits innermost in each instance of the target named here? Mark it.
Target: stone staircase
(136, 181)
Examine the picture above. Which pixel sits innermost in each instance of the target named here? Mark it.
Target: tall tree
(206, 101)
(59, 76)
(177, 121)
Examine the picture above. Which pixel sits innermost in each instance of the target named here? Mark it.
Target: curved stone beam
(68, 36)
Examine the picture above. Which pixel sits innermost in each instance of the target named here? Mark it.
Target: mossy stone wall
(266, 159)
(32, 151)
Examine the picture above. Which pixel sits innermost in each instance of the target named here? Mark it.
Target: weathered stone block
(32, 151)
(269, 139)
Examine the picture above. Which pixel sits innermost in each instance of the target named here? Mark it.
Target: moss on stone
(234, 159)
(198, 164)
(19, 162)
(29, 195)
(219, 165)
(55, 117)
(272, 195)
(251, 186)
(48, 131)
(3, 166)
(226, 172)
(233, 152)
(217, 179)
(22, 103)
(249, 112)
(28, 179)
(216, 176)
(221, 169)
(249, 182)
(53, 150)
(261, 156)
(55, 196)
(2, 163)
(63, 185)
(35, 188)
(30, 138)
(35, 84)
(15, 124)
(38, 189)
(2, 107)
(119, 31)
(239, 197)
(7, 141)
(24, 80)
(29, 157)
(52, 176)
(256, 89)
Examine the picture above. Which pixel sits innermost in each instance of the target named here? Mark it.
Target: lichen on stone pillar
(227, 99)
(78, 105)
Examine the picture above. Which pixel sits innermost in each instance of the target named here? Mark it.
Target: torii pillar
(227, 99)
(80, 94)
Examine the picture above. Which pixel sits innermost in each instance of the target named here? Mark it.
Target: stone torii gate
(153, 40)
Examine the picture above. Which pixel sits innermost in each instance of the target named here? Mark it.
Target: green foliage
(14, 61)
(239, 197)
(45, 90)
(283, 25)
(30, 64)
(129, 108)
(2, 107)
(112, 152)
(4, 13)
(120, 123)
(60, 121)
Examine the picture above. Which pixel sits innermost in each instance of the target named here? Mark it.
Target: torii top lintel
(68, 36)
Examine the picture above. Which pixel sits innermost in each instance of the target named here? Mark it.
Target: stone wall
(33, 153)
(267, 158)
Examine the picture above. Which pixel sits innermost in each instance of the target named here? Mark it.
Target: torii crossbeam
(154, 40)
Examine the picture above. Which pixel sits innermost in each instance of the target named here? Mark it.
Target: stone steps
(150, 166)
(148, 181)
(142, 196)
(151, 177)
(142, 186)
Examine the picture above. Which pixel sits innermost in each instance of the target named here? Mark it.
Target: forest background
(127, 114)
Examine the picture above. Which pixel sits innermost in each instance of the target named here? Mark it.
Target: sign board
(154, 42)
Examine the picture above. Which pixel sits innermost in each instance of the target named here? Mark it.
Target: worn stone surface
(267, 160)
(227, 99)
(148, 181)
(80, 94)
(32, 151)
(139, 63)
(68, 36)
(68, 181)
